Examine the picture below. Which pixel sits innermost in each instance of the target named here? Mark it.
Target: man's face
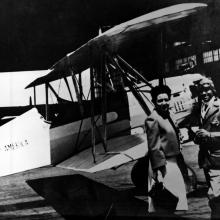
(162, 102)
(206, 93)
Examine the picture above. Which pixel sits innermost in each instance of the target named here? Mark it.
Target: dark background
(37, 33)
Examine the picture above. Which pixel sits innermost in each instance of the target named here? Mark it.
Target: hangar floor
(59, 193)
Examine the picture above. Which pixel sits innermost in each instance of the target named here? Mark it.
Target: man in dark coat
(208, 138)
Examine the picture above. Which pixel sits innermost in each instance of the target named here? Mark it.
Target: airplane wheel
(139, 173)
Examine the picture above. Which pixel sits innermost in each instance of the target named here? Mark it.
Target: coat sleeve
(214, 140)
(157, 156)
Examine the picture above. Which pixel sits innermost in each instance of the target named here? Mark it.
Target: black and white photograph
(109, 109)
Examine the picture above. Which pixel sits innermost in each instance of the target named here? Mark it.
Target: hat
(206, 82)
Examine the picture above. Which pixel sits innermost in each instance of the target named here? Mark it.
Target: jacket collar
(212, 109)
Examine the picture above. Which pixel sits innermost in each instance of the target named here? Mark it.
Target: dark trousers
(213, 181)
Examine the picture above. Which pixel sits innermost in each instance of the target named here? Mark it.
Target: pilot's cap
(206, 83)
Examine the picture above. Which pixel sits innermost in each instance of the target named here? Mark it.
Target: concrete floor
(59, 193)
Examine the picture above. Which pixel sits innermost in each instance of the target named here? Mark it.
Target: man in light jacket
(208, 138)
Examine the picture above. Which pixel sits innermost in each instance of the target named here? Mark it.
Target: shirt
(206, 106)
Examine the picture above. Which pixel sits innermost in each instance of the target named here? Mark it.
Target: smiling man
(208, 138)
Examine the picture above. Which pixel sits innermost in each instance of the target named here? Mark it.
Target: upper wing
(115, 39)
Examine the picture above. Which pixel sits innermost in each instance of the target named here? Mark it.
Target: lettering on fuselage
(14, 145)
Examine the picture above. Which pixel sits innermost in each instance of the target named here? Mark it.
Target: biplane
(94, 130)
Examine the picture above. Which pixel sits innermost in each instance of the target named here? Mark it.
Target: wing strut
(35, 101)
(134, 71)
(47, 102)
(104, 100)
(104, 72)
(161, 53)
(134, 91)
(68, 87)
(80, 85)
(95, 73)
(92, 111)
(128, 73)
(79, 97)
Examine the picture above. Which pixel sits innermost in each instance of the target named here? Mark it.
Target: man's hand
(201, 136)
(202, 133)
